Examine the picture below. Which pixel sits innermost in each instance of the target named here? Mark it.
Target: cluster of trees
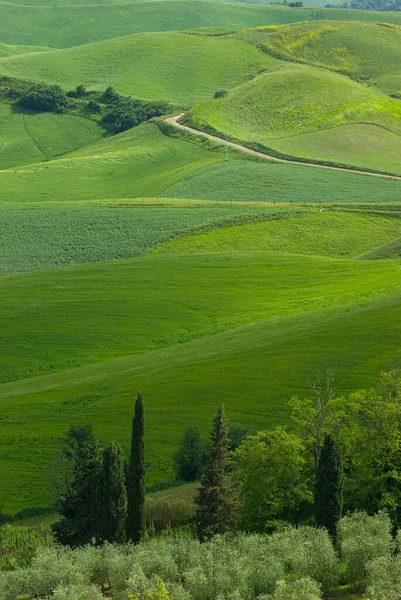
(96, 499)
(339, 454)
(381, 5)
(117, 112)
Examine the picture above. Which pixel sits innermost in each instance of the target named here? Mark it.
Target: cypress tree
(81, 507)
(188, 458)
(329, 486)
(215, 507)
(136, 487)
(113, 495)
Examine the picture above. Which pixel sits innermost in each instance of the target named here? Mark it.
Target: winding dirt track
(174, 121)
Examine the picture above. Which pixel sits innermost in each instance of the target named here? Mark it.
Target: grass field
(43, 237)
(64, 26)
(177, 67)
(327, 234)
(293, 100)
(28, 137)
(140, 162)
(369, 52)
(242, 180)
(309, 313)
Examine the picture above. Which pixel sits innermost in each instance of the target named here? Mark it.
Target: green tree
(113, 495)
(188, 458)
(215, 505)
(81, 507)
(329, 486)
(136, 487)
(275, 479)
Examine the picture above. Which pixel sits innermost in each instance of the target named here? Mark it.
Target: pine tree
(329, 486)
(81, 507)
(136, 487)
(215, 506)
(113, 495)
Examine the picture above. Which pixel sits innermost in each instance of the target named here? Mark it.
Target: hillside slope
(369, 52)
(287, 102)
(177, 67)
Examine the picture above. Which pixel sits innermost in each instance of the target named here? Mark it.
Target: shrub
(306, 552)
(163, 512)
(47, 98)
(18, 544)
(220, 94)
(362, 539)
(93, 106)
(301, 589)
(384, 579)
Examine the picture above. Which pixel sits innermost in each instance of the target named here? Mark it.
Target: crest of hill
(64, 26)
(178, 67)
(369, 52)
(296, 100)
(12, 50)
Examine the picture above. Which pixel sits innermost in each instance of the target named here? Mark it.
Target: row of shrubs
(117, 112)
(292, 564)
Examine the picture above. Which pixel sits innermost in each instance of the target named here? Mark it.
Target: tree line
(118, 113)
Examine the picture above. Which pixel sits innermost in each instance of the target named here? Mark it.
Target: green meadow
(145, 260)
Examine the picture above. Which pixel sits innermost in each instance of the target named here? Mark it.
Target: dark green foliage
(136, 488)
(93, 106)
(47, 98)
(125, 113)
(236, 435)
(220, 94)
(215, 506)
(188, 458)
(81, 506)
(113, 495)
(329, 486)
(79, 92)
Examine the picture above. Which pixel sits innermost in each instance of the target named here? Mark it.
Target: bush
(162, 512)
(93, 106)
(220, 94)
(47, 98)
(125, 113)
(301, 589)
(19, 544)
(76, 592)
(363, 539)
(384, 579)
(306, 552)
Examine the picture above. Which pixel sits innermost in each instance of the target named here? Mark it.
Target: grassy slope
(38, 237)
(271, 182)
(153, 303)
(327, 234)
(390, 250)
(140, 162)
(177, 67)
(360, 145)
(12, 50)
(28, 137)
(367, 51)
(296, 100)
(252, 369)
(67, 26)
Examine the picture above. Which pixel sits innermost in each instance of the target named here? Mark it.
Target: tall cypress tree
(329, 486)
(215, 505)
(81, 507)
(113, 495)
(136, 487)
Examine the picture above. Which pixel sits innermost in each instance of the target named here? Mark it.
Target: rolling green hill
(242, 180)
(369, 52)
(140, 162)
(12, 50)
(327, 234)
(309, 313)
(28, 137)
(64, 26)
(176, 67)
(35, 237)
(276, 107)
